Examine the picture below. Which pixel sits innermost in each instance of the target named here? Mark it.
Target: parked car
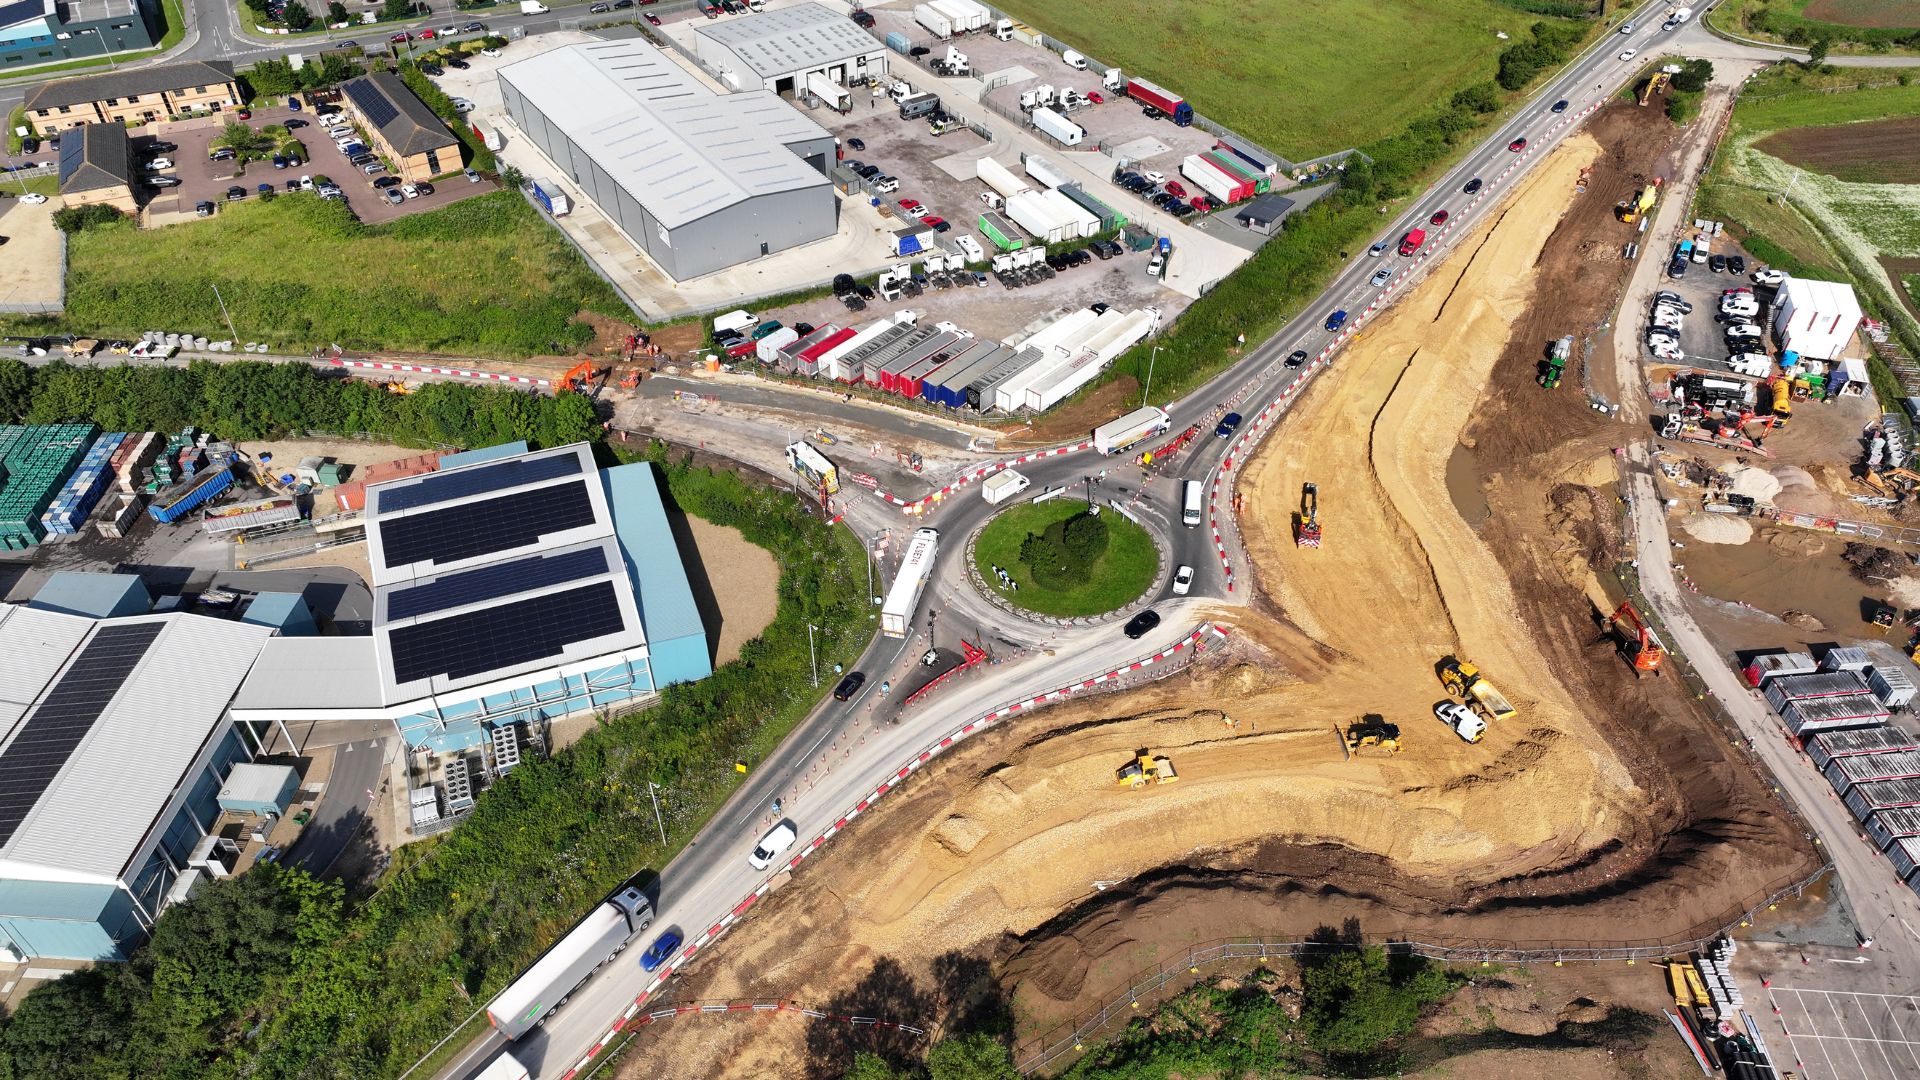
(236, 193)
(29, 145)
(433, 69)
(1678, 267)
(937, 224)
(1142, 624)
(475, 28)
(279, 161)
(473, 177)
(203, 208)
(1717, 263)
(860, 18)
(1674, 299)
(1180, 209)
(159, 148)
(159, 163)
(1152, 113)
(885, 184)
(1765, 276)
(1201, 203)
(1183, 581)
(856, 144)
(461, 104)
(423, 188)
(655, 19)
(265, 190)
(600, 9)
(666, 944)
(245, 114)
(1179, 190)
(1736, 265)
(400, 38)
(622, 5)
(849, 686)
(492, 54)
(386, 182)
(1473, 186)
(163, 181)
(394, 197)
(457, 64)
(1095, 97)
(294, 123)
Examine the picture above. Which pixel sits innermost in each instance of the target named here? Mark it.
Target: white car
(33, 198)
(1668, 309)
(772, 845)
(1667, 322)
(886, 185)
(1746, 358)
(490, 53)
(1461, 720)
(919, 211)
(1740, 310)
(159, 164)
(1183, 581)
(1739, 330)
(1626, 28)
(1769, 277)
(461, 104)
(1154, 178)
(409, 191)
(1629, 54)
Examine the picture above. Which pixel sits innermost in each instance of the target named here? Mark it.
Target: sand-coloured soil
(1016, 865)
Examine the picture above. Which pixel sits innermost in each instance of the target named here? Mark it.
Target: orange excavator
(1636, 640)
(579, 378)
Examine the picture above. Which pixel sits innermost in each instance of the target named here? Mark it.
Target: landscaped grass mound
(1061, 559)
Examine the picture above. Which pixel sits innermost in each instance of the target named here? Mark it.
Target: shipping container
(1248, 153)
(829, 362)
(1806, 715)
(351, 496)
(794, 358)
(401, 468)
(889, 375)
(1787, 688)
(933, 19)
(878, 357)
(1846, 658)
(980, 393)
(1219, 186)
(999, 178)
(809, 357)
(907, 384)
(848, 363)
(1769, 665)
(1826, 746)
(1000, 232)
(1058, 126)
(1864, 799)
(1845, 772)
(1886, 826)
(1108, 217)
(1233, 166)
(170, 506)
(1891, 685)
(961, 355)
(1173, 105)
(1046, 172)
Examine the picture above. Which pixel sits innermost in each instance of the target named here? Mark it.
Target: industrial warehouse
(699, 181)
(791, 49)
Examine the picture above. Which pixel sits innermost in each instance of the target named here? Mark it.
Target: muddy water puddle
(1463, 485)
(1773, 581)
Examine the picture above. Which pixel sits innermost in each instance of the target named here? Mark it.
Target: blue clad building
(508, 588)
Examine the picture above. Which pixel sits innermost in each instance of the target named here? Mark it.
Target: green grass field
(1118, 576)
(484, 277)
(1850, 26)
(1303, 77)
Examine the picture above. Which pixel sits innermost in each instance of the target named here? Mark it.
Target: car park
(849, 686)
(1142, 624)
(772, 845)
(1517, 145)
(663, 947)
(163, 181)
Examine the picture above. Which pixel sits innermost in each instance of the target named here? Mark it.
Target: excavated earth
(1015, 874)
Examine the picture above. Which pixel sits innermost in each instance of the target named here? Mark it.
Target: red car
(933, 221)
(426, 35)
(245, 114)
(1517, 145)
(400, 37)
(1095, 97)
(909, 204)
(1200, 203)
(1174, 189)
(652, 18)
(1439, 218)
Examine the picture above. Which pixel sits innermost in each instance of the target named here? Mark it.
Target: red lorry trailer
(1173, 105)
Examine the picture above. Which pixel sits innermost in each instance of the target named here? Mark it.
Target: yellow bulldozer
(1635, 207)
(1373, 736)
(1146, 769)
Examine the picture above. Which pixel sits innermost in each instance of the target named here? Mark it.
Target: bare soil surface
(1870, 152)
(1015, 869)
(1876, 14)
(751, 593)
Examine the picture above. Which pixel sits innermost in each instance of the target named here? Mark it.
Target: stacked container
(1824, 747)
(1853, 769)
(70, 508)
(1775, 664)
(1879, 795)
(1891, 686)
(1886, 826)
(1848, 658)
(35, 464)
(121, 511)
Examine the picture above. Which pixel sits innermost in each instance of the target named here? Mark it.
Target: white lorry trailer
(903, 599)
(1004, 485)
(527, 1001)
(1117, 435)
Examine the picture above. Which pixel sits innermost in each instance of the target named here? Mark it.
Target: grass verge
(484, 277)
(1117, 577)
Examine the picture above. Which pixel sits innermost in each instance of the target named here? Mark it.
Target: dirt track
(1606, 811)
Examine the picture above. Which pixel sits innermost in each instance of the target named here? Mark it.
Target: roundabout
(1058, 560)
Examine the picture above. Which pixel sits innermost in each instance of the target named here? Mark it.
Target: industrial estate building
(776, 50)
(699, 181)
(1817, 319)
(412, 137)
(133, 95)
(96, 166)
(34, 32)
(508, 588)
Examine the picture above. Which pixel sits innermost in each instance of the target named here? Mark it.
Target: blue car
(1227, 424)
(663, 946)
(1336, 320)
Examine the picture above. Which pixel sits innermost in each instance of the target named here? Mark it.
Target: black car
(433, 69)
(1142, 624)
(295, 122)
(849, 686)
(865, 291)
(1736, 265)
(236, 193)
(622, 5)
(387, 182)
(1100, 250)
(1079, 257)
(856, 144)
(1180, 209)
(919, 50)
(863, 18)
(1161, 198)
(1297, 358)
(225, 153)
(161, 148)
(942, 225)
(1152, 113)
(1228, 424)
(204, 209)
(29, 145)
(1717, 263)
(1057, 262)
(1560, 106)
(423, 188)
(1678, 267)
(458, 64)
(474, 27)
(1473, 186)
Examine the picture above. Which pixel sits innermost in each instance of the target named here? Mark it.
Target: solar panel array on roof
(506, 635)
(65, 716)
(494, 582)
(471, 529)
(460, 483)
(372, 103)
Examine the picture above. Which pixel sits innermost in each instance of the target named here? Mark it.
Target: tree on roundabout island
(1065, 558)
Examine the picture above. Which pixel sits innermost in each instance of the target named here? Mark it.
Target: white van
(1074, 60)
(741, 321)
(970, 248)
(532, 7)
(1190, 512)
(771, 846)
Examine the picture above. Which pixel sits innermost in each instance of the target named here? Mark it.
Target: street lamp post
(104, 51)
(812, 659)
(651, 788)
(1146, 396)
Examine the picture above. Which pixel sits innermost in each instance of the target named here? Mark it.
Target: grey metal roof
(321, 674)
(78, 11)
(94, 815)
(784, 41)
(34, 645)
(129, 81)
(95, 156)
(677, 148)
(1267, 207)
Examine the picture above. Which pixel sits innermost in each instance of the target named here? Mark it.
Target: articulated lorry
(903, 599)
(527, 1001)
(1140, 424)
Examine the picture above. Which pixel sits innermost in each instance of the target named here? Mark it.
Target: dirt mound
(1874, 565)
(1796, 617)
(1718, 528)
(1795, 542)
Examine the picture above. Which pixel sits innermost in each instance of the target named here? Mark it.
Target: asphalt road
(342, 809)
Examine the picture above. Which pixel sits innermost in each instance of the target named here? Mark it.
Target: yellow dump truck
(1465, 682)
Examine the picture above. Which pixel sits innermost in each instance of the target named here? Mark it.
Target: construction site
(1436, 715)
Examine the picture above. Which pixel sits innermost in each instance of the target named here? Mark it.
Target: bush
(1061, 556)
(73, 219)
(1693, 76)
(1551, 45)
(1356, 999)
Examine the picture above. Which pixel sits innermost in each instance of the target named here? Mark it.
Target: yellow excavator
(1636, 207)
(1306, 532)
(1146, 769)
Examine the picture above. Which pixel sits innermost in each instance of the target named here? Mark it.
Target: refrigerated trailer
(1219, 186)
(1046, 171)
(999, 178)
(528, 1000)
(903, 599)
(1137, 426)
(1058, 126)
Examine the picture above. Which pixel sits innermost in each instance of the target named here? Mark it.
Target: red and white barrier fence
(428, 369)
